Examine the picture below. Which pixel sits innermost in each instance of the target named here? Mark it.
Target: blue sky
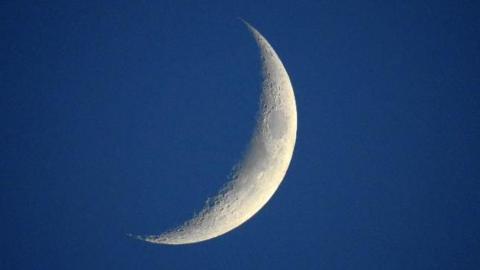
(123, 117)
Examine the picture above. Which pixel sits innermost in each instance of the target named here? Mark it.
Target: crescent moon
(258, 175)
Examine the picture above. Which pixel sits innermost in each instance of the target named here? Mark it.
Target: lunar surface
(257, 176)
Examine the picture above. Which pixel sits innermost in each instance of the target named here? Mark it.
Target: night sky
(122, 117)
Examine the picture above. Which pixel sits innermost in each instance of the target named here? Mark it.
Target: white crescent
(256, 178)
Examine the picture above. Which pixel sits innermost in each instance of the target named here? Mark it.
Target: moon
(257, 176)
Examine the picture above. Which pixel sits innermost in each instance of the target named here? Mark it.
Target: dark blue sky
(122, 117)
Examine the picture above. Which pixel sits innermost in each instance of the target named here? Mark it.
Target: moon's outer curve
(256, 178)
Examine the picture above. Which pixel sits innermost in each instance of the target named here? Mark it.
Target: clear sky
(122, 117)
